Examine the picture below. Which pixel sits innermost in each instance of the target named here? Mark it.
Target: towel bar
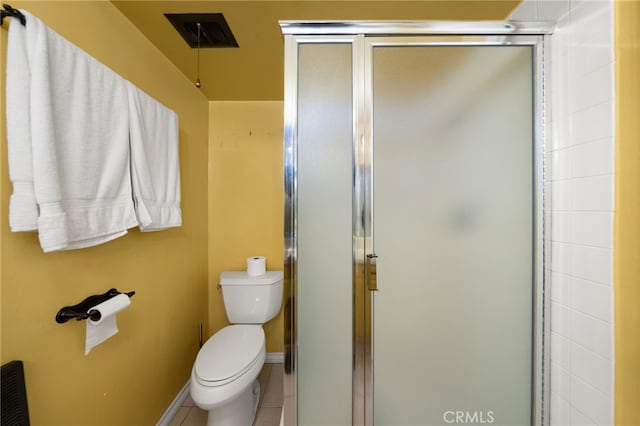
(15, 13)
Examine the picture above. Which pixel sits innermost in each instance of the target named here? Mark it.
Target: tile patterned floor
(269, 408)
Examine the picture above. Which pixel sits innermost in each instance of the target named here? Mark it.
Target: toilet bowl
(223, 378)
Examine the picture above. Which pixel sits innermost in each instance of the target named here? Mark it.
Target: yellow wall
(132, 377)
(246, 197)
(627, 216)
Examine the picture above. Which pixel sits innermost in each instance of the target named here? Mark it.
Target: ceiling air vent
(214, 30)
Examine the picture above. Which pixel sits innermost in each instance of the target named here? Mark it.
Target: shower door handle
(371, 272)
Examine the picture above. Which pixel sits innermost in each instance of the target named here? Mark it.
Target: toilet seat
(229, 354)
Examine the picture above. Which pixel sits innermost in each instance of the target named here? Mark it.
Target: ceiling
(254, 71)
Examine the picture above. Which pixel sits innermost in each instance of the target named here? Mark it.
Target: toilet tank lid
(242, 278)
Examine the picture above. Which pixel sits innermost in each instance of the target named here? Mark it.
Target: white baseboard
(274, 358)
(174, 407)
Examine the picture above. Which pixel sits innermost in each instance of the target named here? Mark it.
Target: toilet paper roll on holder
(83, 310)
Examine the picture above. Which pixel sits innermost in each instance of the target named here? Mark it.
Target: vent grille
(214, 30)
(13, 394)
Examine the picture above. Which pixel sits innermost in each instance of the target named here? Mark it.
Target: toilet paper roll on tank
(100, 330)
(256, 266)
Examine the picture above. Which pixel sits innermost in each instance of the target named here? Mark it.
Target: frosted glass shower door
(453, 228)
(324, 228)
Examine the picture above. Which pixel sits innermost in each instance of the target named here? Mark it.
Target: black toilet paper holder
(83, 310)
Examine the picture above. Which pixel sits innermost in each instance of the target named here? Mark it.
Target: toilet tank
(251, 299)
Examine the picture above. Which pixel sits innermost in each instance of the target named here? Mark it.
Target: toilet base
(239, 412)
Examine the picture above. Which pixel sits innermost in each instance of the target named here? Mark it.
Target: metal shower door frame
(364, 37)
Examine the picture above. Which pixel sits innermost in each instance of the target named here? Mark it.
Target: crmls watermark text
(468, 417)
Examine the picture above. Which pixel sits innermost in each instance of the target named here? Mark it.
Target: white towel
(80, 143)
(23, 211)
(154, 162)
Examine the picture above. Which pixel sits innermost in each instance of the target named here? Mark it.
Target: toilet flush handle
(371, 272)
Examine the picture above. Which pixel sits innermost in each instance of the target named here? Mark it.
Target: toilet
(224, 376)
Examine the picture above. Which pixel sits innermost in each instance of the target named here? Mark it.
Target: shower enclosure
(414, 225)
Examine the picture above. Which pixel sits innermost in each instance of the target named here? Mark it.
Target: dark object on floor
(13, 393)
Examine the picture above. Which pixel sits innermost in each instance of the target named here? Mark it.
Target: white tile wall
(580, 207)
